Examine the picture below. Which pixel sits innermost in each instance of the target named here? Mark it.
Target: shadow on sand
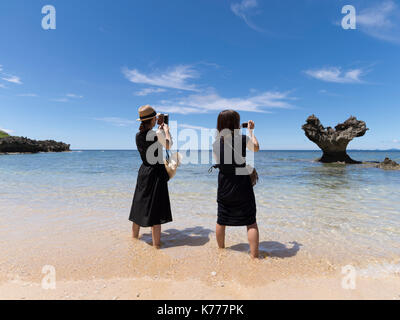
(271, 249)
(192, 237)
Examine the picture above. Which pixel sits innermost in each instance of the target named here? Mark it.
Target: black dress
(151, 205)
(236, 200)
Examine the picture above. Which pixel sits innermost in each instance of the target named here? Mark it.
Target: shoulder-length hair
(228, 120)
(145, 125)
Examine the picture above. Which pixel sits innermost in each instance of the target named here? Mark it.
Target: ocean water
(347, 213)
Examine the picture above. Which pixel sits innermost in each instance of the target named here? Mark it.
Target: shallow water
(345, 213)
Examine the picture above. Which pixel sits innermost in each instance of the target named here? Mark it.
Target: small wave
(380, 270)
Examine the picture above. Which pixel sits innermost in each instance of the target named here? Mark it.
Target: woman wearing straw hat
(151, 205)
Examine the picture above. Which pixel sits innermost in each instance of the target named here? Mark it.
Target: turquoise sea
(343, 212)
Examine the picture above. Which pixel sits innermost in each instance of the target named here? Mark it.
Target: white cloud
(2, 86)
(12, 79)
(28, 95)
(147, 91)
(396, 141)
(337, 75)
(60, 100)
(212, 102)
(67, 97)
(7, 130)
(173, 78)
(244, 9)
(189, 126)
(119, 122)
(74, 96)
(381, 21)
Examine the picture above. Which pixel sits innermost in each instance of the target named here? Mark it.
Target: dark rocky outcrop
(389, 164)
(25, 145)
(334, 142)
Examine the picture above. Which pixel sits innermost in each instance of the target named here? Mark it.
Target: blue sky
(276, 62)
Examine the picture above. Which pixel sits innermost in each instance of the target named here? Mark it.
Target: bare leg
(156, 233)
(254, 239)
(220, 232)
(135, 230)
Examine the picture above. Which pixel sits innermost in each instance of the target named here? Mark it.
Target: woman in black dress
(151, 206)
(236, 200)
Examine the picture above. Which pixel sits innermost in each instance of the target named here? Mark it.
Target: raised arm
(164, 136)
(252, 143)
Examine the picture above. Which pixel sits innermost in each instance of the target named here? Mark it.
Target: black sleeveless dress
(236, 200)
(151, 205)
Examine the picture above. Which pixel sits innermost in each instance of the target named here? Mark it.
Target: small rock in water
(388, 164)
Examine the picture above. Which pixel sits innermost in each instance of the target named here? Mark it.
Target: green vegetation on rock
(3, 134)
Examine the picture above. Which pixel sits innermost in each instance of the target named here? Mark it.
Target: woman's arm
(164, 137)
(252, 144)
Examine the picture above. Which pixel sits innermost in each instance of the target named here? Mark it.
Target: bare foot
(157, 246)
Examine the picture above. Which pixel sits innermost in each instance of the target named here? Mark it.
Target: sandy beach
(111, 265)
(149, 289)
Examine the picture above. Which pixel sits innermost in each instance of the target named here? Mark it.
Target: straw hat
(172, 165)
(146, 113)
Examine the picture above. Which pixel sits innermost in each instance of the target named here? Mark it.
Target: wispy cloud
(212, 102)
(189, 126)
(147, 91)
(336, 75)
(115, 121)
(2, 86)
(27, 95)
(328, 93)
(381, 21)
(67, 97)
(173, 78)
(74, 96)
(12, 79)
(244, 10)
(60, 100)
(6, 130)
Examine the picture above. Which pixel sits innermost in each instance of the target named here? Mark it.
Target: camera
(245, 125)
(163, 118)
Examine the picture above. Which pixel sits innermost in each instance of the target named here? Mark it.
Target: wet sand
(166, 289)
(103, 264)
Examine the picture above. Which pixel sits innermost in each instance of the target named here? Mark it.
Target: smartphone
(163, 118)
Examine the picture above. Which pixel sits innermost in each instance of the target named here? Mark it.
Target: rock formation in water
(24, 145)
(389, 164)
(334, 142)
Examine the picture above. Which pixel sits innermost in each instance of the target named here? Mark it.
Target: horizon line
(390, 149)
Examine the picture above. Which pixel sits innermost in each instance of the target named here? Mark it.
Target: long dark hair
(228, 119)
(145, 125)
